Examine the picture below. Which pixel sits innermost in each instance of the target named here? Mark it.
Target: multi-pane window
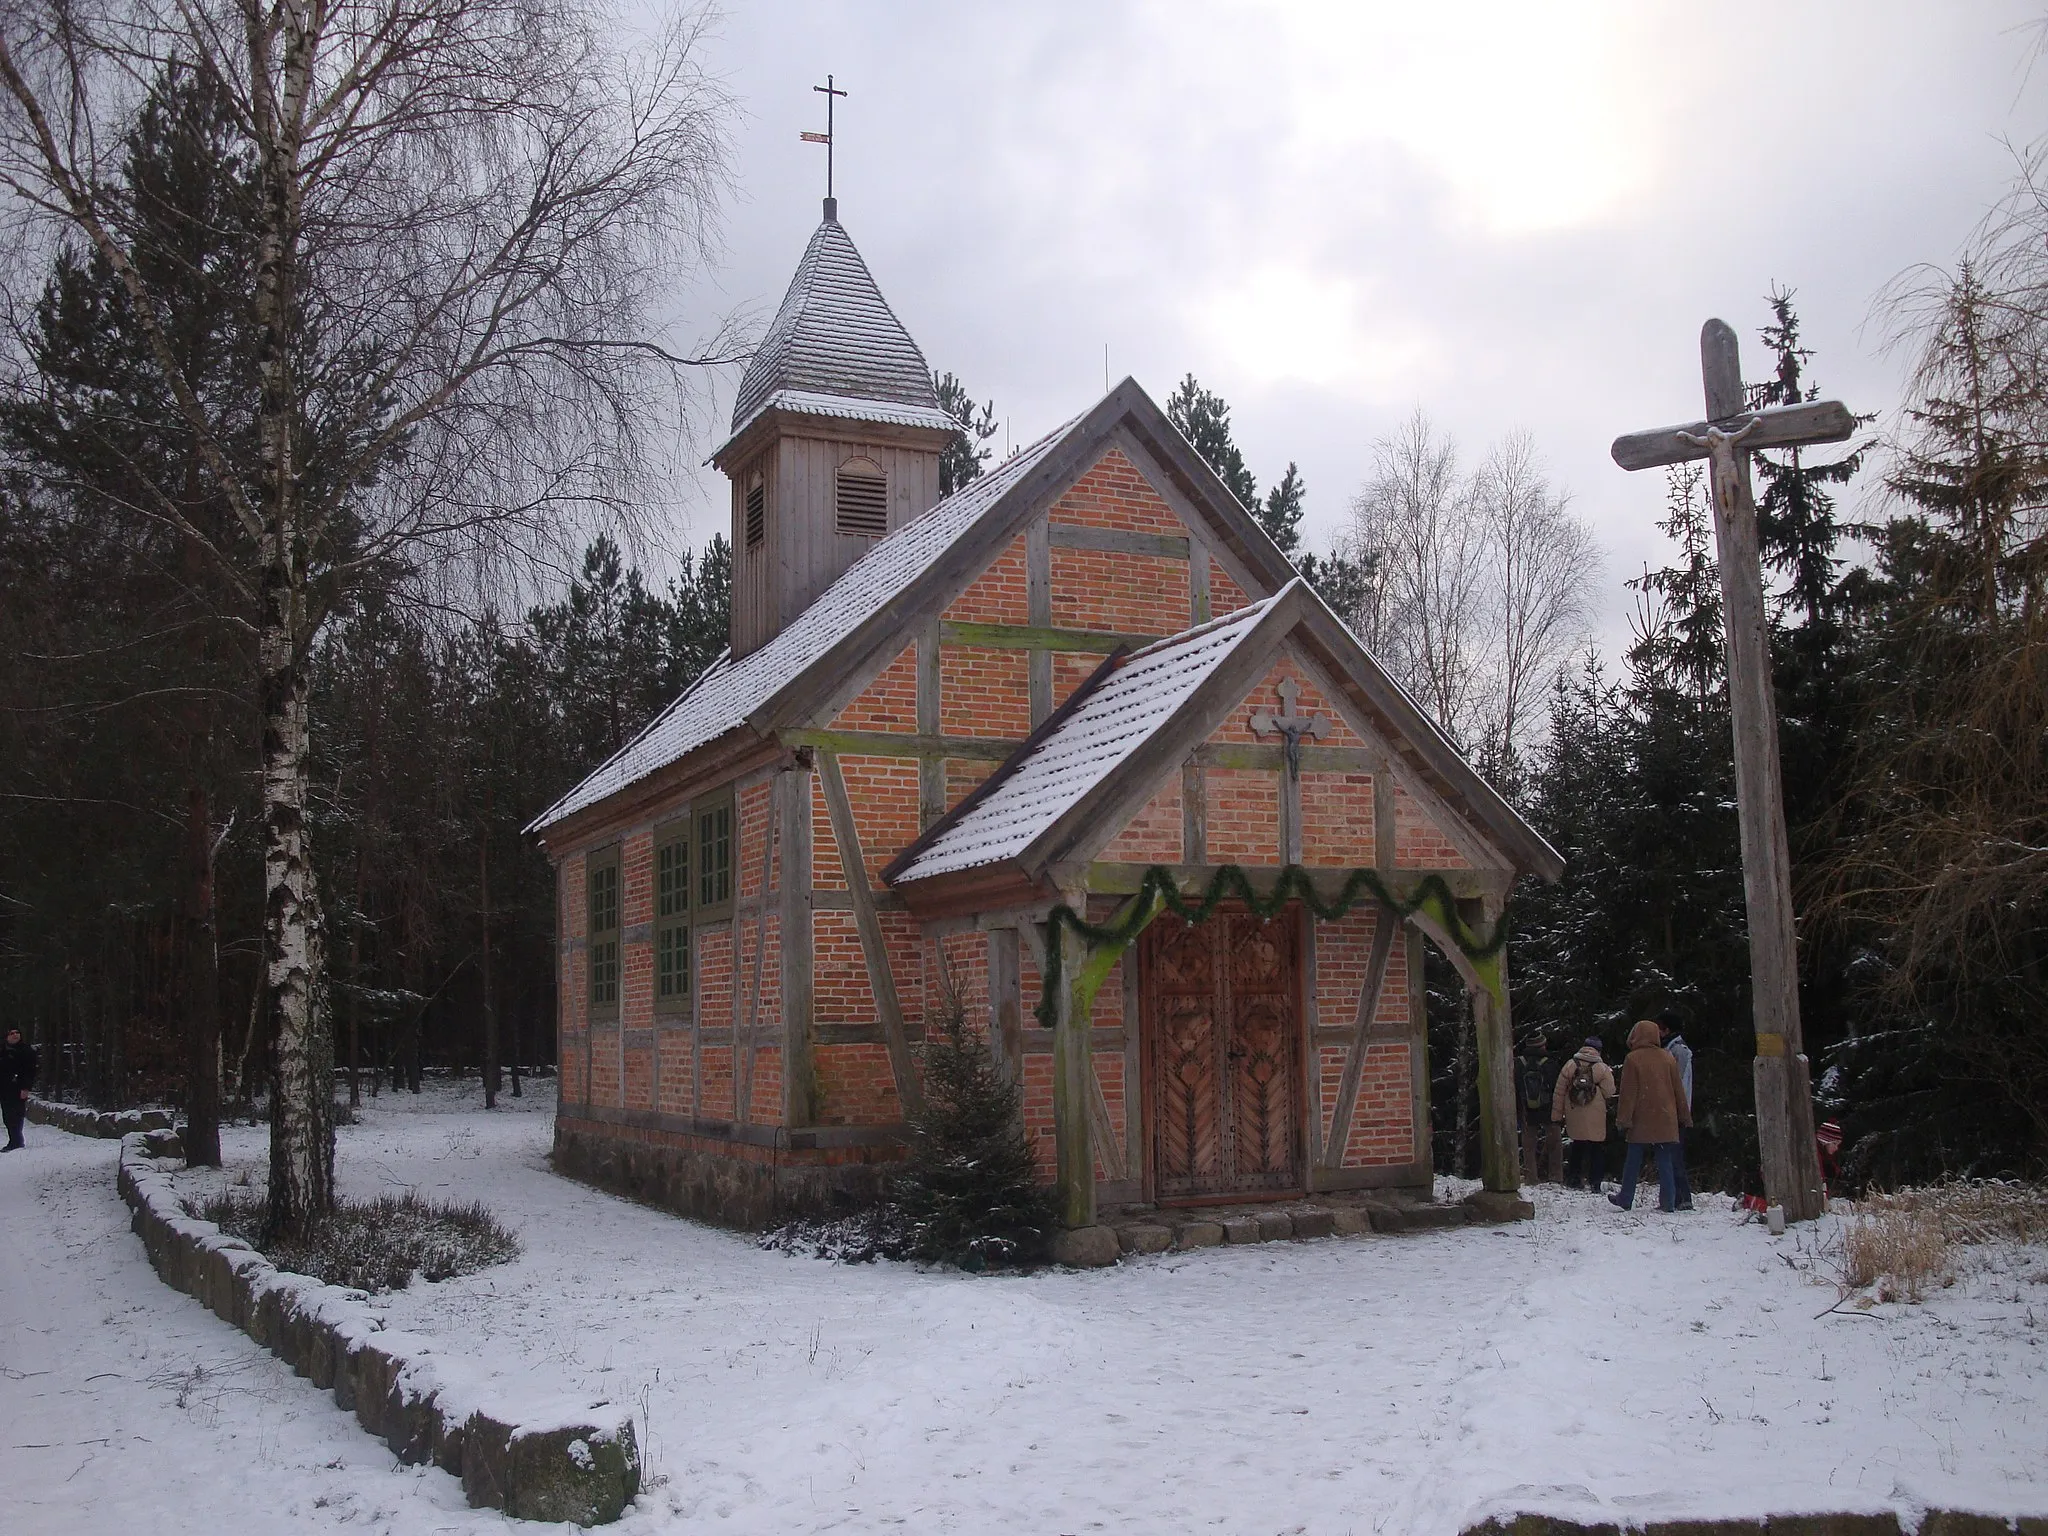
(672, 921)
(603, 932)
(714, 856)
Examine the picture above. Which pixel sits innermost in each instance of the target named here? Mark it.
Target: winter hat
(1594, 1041)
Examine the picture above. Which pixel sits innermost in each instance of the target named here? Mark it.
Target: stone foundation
(729, 1184)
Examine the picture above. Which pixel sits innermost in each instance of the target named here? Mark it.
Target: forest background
(1909, 626)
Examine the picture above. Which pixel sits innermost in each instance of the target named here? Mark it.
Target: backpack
(1584, 1088)
(1533, 1095)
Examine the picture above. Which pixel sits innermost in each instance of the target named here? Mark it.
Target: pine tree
(962, 459)
(1204, 420)
(1280, 513)
(969, 1193)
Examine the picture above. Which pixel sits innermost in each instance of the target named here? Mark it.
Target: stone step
(1210, 1227)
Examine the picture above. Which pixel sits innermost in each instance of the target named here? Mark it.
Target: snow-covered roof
(730, 691)
(835, 335)
(807, 402)
(1105, 727)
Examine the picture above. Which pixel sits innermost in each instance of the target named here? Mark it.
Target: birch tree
(1475, 588)
(467, 213)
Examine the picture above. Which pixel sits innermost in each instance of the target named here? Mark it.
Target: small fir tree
(969, 1194)
(963, 458)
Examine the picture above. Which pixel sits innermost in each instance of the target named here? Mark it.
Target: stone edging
(104, 1123)
(538, 1457)
(1885, 1522)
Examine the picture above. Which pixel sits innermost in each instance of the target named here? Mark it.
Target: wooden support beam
(980, 749)
(1314, 759)
(1030, 637)
(1112, 878)
(874, 948)
(1038, 610)
(1384, 932)
(1073, 1143)
(1116, 541)
(1006, 1003)
(1194, 814)
(931, 771)
(743, 1047)
(1500, 1160)
(799, 1072)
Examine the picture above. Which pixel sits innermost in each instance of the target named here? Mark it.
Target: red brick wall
(1382, 1129)
(1225, 595)
(827, 874)
(883, 794)
(1243, 815)
(855, 1085)
(840, 993)
(1135, 594)
(1000, 594)
(1113, 494)
(889, 703)
(963, 776)
(1153, 836)
(678, 1085)
(984, 692)
(1337, 820)
(1418, 842)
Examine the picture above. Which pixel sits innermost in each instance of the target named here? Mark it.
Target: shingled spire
(836, 435)
(835, 335)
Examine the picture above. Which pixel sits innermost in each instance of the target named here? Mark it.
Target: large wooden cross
(1731, 432)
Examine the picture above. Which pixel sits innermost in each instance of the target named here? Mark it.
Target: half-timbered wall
(1110, 563)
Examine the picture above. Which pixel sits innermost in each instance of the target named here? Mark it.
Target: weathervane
(828, 91)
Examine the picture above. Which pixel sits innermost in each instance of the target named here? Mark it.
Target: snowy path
(1633, 1365)
(126, 1407)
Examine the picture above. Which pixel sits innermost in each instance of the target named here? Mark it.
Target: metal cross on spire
(828, 91)
(1730, 433)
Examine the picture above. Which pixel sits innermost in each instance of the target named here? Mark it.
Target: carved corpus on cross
(1731, 432)
(1290, 725)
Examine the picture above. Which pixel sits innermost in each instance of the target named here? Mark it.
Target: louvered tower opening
(757, 514)
(861, 505)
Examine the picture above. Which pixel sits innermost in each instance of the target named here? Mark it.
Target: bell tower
(836, 436)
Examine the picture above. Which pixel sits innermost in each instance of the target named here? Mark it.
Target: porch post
(1073, 1146)
(1499, 1150)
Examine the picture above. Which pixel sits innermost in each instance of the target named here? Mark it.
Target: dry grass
(1902, 1244)
(374, 1245)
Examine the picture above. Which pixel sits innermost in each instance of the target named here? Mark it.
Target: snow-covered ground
(1624, 1366)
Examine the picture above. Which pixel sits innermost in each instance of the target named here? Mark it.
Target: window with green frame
(714, 857)
(602, 941)
(672, 918)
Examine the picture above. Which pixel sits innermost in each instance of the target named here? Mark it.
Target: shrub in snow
(375, 1245)
(969, 1194)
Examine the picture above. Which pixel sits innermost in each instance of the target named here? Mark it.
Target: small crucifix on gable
(1290, 725)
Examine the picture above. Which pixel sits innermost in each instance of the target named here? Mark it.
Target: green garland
(1159, 889)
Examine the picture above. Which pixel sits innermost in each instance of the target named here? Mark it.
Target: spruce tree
(962, 459)
(1204, 420)
(969, 1193)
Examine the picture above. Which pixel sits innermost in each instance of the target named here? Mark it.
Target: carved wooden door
(1221, 1018)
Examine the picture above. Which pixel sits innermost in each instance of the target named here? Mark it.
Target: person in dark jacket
(1651, 1109)
(17, 1076)
(1674, 1042)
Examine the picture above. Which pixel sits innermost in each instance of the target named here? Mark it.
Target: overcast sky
(1511, 216)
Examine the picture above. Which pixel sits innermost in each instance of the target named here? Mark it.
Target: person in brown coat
(1651, 1110)
(1584, 1089)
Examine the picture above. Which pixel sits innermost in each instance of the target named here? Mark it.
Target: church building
(946, 729)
